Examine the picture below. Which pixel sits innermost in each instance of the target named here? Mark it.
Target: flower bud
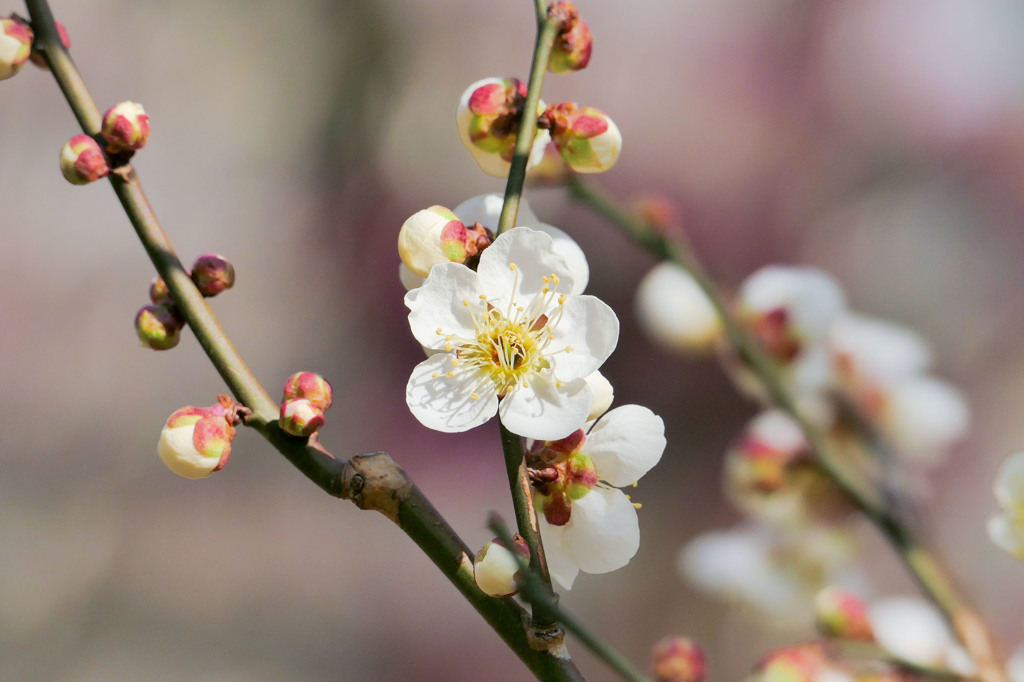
(82, 160)
(196, 441)
(158, 326)
(37, 58)
(15, 46)
(158, 291)
(125, 126)
(603, 394)
(310, 386)
(573, 43)
(587, 139)
(300, 417)
(678, 659)
(212, 274)
(673, 309)
(495, 568)
(488, 118)
(841, 614)
(436, 235)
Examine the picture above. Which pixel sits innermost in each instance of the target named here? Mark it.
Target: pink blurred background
(881, 141)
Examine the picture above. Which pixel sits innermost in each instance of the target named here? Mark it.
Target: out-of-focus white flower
(1015, 664)
(872, 354)
(913, 630)
(675, 311)
(587, 523)
(678, 659)
(506, 333)
(790, 309)
(1007, 528)
(924, 417)
(776, 574)
(487, 118)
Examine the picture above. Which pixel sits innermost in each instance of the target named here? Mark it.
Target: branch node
(375, 482)
(547, 638)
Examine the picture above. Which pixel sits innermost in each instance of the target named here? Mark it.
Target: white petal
(409, 279)
(591, 329)
(603, 392)
(910, 628)
(566, 247)
(486, 210)
(812, 296)
(1009, 484)
(495, 572)
(1006, 534)
(533, 254)
(603, 532)
(675, 311)
(876, 350)
(925, 417)
(563, 571)
(441, 304)
(625, 444)
(545, 410)
(445, 403)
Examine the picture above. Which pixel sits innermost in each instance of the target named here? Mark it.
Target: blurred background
(883, 142)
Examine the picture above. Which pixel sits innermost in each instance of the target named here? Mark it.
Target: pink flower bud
(435, 235)
(213, 274)
(82, 160)
(196, 441)
(310, 386)
(588, 140)
(678, 659)
(842, 614)
(158, 326)
(125, 126)
(15, 46)
(158, 291)
(495, 568)
(37, 58)
(573, 43)
(488, 117)
(300, 417)
(800, 663)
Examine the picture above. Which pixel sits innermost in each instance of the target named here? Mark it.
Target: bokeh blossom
(587, 523)
(1006, 529)
(509, 339)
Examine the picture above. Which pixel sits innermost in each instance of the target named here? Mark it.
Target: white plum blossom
(675, 311)
(924, 417)
(914, 630)
(506, 339)
(586, 522)
(1006, 529)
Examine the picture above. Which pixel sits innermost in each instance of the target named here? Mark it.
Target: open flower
(587, 523)
(509, 341)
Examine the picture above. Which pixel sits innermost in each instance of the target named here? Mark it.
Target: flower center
(510, 345)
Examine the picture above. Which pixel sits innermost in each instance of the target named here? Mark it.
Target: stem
(534, 587)
(370, 481)
(526, 521)
(547, 27)
(926, 569)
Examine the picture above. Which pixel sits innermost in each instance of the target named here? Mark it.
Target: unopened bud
(158, 326)
(587, 138)
(310, 386)
(675, 311)
(678, 659)
(430, 237)
(841, 614)
(196, 441)
(300, 417)
(82, 160)
(125, 126)
(213, 274)
(495, 568)
(573, 43)
(15, 46)
(488, 117)
(603, 394)
(37, 58)
(158, 291)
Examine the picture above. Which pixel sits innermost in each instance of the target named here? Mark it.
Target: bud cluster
(159, 323)
(306, 397)
(124, 130)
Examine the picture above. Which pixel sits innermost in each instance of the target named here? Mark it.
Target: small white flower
(874, 353)
(586, 522)
(914, 630)
(924, 417)
(675, 311)
(509, 341)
